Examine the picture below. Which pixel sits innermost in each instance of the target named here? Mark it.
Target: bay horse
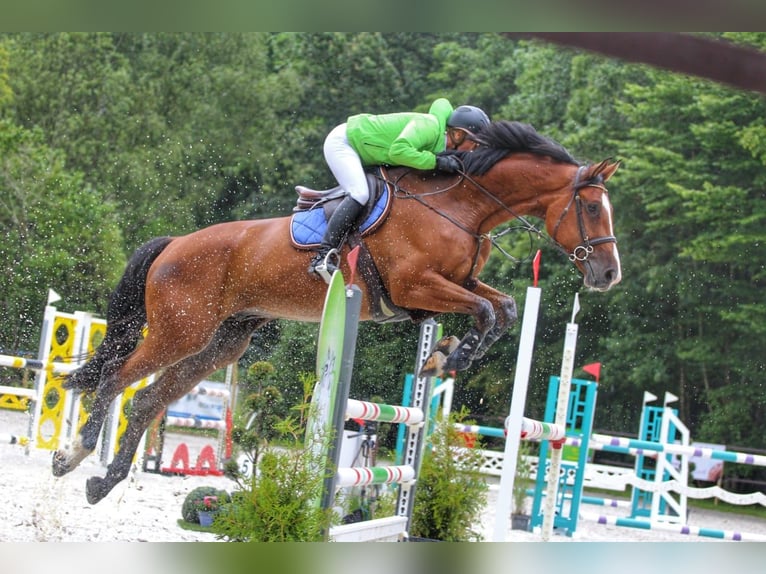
(202, 295)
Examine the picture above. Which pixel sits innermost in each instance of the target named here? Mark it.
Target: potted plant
(520, 516)
(206, 508)
(195, 501)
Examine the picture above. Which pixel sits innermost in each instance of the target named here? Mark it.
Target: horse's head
(519, 171)
(581, 224)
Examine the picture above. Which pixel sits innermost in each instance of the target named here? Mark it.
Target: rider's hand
(447, 163)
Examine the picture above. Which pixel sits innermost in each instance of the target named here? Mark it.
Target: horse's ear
(606, 168)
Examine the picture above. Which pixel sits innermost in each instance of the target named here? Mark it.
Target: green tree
(57, 232)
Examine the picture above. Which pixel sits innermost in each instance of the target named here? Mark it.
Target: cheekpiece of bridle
(582, 251)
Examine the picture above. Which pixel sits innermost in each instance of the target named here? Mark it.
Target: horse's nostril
(612, 275)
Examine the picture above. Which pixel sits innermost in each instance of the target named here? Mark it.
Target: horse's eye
(593, 208)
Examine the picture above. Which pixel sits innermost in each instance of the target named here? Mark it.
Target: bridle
(584, 249)
(579, 253)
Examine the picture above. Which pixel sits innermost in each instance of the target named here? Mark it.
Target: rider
(407, 139)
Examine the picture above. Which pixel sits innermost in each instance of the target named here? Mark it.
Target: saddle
(309, 222)
(314, 208)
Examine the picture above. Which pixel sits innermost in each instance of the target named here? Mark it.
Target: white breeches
(345, 164)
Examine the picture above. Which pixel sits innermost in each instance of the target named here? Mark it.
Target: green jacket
(408, 138)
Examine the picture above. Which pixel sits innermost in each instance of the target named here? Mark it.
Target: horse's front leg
(437, 294)
(453, 354)
(506, 315)
(494, 313)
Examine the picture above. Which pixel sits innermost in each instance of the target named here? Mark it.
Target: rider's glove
(447, 163)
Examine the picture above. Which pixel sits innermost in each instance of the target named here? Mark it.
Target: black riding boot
(326, 261)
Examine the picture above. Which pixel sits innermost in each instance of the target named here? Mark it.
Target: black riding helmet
(468, 118)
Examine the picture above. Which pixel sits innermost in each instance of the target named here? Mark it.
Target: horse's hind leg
(111, 385)
(159, 350)
(227, 345)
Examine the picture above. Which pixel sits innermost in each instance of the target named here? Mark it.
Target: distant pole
(518, 399)
(565, 384)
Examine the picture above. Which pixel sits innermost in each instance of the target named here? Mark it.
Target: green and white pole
(319, 430)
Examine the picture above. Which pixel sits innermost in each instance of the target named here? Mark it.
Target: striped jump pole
(369, 411)
(683, 450)
(210, 392)
(366, 475)
(35, 364)
(195, 422)
(394, 474)
(480, 430)
(539, 430)
(685, 530)
(530, 430)
(592, 445)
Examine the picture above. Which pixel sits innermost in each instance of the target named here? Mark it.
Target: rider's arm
(417, 143)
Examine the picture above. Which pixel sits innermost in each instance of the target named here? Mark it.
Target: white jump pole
(562, 405)
(518, 399)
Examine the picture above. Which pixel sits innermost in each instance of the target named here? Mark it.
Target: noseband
(582, 251)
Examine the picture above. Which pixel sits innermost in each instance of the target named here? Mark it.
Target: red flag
(593, 369)
(353, 258)
(536, 268)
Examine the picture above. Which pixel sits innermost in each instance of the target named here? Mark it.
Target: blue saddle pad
(307, 227)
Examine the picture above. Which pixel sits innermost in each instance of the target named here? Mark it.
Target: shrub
(450, 493)
(279, 500)
(279, 503)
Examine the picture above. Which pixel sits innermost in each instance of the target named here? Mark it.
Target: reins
(579, 253)
(405, 194)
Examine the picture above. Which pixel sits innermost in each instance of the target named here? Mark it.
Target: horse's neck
(501, 201)
(519, 187)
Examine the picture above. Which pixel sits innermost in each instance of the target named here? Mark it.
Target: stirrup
(327, 265)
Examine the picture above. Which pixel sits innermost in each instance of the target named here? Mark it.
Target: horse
(196, 299)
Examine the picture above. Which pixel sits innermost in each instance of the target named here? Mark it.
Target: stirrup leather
(327, 265)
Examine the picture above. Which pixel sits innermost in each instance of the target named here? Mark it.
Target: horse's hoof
(94, 489)
(434, 365)
(59, 464)
(447, 344)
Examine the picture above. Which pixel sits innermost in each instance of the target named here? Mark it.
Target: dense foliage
(109, 139)
(450, 493)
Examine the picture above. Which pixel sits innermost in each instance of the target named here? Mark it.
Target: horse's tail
(125, 316)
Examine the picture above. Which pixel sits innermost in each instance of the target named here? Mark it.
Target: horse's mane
(500, 138)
